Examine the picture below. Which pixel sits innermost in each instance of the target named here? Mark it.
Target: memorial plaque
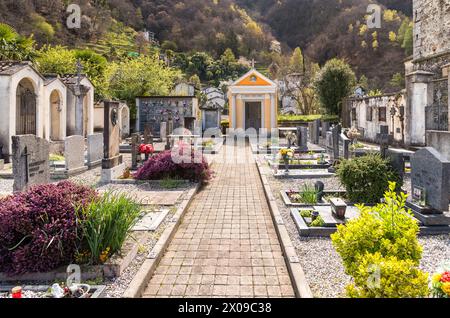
(74, 152)
(111, 136)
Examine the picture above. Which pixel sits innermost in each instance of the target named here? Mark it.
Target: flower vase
(286, 164)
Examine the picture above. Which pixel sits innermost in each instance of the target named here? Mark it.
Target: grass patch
(170, 183)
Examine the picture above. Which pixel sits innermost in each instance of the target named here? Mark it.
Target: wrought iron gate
(26, 113)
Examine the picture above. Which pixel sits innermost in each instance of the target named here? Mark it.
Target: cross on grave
(384, 139)
(27, 155)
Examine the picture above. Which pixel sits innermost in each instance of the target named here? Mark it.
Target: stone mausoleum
(47, 106)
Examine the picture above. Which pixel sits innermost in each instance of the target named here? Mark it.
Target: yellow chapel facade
(253, 102)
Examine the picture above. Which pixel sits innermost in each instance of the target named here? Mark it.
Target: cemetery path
(226, 245)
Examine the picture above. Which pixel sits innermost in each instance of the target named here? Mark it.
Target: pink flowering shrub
(162, 166)
(39, 229)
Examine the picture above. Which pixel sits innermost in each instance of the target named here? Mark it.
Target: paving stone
(226, 244)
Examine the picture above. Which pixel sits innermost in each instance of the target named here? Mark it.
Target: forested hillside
(322, 28)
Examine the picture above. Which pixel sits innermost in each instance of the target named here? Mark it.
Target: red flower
(146, 149)
(445, 277)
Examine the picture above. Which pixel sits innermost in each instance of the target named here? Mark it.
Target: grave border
(295, 269)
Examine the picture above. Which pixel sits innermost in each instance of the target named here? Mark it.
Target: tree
(141, 76)
(408, 40)
(56, 60)
(334, 82)
(14, 46)
(397, 81)
(296, 63)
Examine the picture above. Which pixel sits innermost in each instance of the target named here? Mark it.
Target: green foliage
(170, 183)
(56, 60)
(318, 222)
(94, 66)
(366, 178)
(388, 277)
(56, 157)
(105, 224)
(306, 213)
(208, 69)
(14, 46)
(42, 28)
(334, 82)
(142, 76)
(388, 229)
(306, 118)
(308, 194)
(296, 63)
(397, 81)
(405, 36)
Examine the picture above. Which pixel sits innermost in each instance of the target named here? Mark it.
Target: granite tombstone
(30, 158)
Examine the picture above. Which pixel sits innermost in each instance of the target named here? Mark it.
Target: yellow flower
(436, 278)
(446, 288)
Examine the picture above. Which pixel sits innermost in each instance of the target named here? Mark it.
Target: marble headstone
(302, 138)
(74, 152)
(94, 149)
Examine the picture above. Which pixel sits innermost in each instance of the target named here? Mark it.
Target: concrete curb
(145, 272)
(147, 269)
(298, 278)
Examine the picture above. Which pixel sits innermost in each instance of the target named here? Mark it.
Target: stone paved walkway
(226, 245)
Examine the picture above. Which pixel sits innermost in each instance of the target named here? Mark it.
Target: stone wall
(431, 27)
(368, 113)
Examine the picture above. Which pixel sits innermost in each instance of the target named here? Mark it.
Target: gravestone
(397, 161)
(329, 143)
(302, 138)
(431, 171)
(384, 139)
(344, 146)
(336, 132)
(135, 138)
(315, 134)
(30, 155)
(148, 135)
(112, 165)
(74, 153)
(325, 128)
(2, 164)
(163, 131)
(94, 150)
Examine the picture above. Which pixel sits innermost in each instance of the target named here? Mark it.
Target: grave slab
(151, 221)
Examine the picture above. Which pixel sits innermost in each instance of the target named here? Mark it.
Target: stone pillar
(419, 95)
(79, 115)
(273, 111)
(233, 111)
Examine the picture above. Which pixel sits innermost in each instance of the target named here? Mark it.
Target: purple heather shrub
(162, 166)
(39, 229)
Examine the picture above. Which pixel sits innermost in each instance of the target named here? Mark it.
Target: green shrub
(388, 277)
(387, 228)
(105, 224)
(366, 178)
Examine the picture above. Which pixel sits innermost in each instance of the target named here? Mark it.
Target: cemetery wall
(440, 140)
(368, 113)
(431, 27)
